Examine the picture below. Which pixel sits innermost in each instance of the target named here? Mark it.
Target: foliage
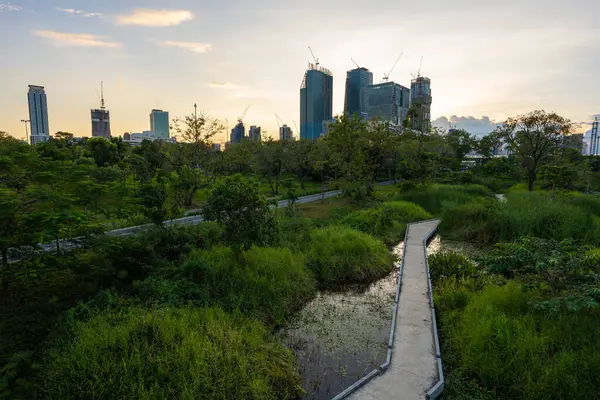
(432, 198)
(341, 255)
(451, 265)
(165, 353)
(237, 204)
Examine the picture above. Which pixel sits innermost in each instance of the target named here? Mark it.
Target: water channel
(340, 336)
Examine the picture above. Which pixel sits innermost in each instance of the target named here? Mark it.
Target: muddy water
(341, 336)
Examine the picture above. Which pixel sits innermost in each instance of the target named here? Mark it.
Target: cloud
(222, 85)
(72, 11)
(77, 39)
(191, 46)
(9, 7)
(475, 126)
(146, 17)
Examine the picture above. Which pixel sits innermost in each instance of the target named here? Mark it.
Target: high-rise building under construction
(388, 102)
(357, 83)
(101, 119)
(316, 101)
(420, 95)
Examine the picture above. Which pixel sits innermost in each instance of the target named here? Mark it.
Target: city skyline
(494, 60)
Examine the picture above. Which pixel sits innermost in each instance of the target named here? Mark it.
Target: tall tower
(357, 82)
(38, 114)
(388, 101)
(594, 138)
(316, 101)
(420, 92)
(159, 124)
(101, 119)
(254, 133)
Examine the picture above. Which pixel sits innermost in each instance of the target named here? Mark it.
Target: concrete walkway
(413, 369)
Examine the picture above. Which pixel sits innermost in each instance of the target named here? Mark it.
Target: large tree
(534, 138)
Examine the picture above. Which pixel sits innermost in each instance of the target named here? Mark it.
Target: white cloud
(147, 17)
(77, 39)
(195, 47)
(9, 7)
(73, 11)
(222, 85)
(473, 125)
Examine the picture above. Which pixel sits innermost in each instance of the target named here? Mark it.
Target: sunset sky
(487, 59)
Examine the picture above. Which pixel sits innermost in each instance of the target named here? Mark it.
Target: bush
(340, 255)
(183, 353)
(432, 198)
(266, 283)
(295, 232)
(387, 221)
(451, 265)
(499, 342)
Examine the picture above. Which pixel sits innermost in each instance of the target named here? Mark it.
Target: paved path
(413, 370)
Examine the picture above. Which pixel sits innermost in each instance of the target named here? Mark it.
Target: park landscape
(225, 308)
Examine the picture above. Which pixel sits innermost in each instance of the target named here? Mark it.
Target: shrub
(387, 221)
(266, 283)
(182, 353)
(295, 231)
(432, 198)
(341, 255)
(451, 265)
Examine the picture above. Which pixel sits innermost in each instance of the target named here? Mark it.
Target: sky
(487, 60)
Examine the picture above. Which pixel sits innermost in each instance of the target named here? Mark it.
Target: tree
(197, 129)
(347, 144)
(236, 203)
(102, 151)
(461, 143)
(534, 138)
(299, 153)
(270, 163)
(486, 145)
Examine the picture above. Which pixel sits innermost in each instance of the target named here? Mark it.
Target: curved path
(414, 371)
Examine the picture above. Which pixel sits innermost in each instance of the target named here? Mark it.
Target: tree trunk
(302, 181)
(531, 180)
(57, 245)
(4, 257)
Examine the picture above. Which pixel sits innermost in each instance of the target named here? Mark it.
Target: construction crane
(279, 120)
(387, 76)
(241, 119)
(102, 107)
(419, 71)
(296, 126)
(313, 55)
(357, 66)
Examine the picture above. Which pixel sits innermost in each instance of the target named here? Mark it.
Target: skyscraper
(357, 82)
(159, 123)
(420, 91)
(38, 114)
(285, 133)
(101, 119)
(238, 133)
(254, 133)
(388, 101)
(316, 101)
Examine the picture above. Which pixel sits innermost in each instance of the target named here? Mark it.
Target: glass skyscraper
(238, 133)
(159, 123)
(357, 82)
(316, 101)
(38, 114)
(388, 101)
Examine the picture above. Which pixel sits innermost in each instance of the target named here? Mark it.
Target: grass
(387, 221)
(184, 353)
(433, 198)
(326, 208)
(340, 255)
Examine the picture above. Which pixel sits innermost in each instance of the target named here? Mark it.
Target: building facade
(38, 114)
(254, 133)
(420, 101)
(101, 123)
(285, 133)
(159, 123)
(316, 101)
(135, 139)
(357, 83)
(238, 133)
(388, 101)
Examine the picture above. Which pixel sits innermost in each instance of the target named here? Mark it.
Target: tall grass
(266, 283)
(493, 337)
(340, 255)
(432, 198)
(387, 221)
(185, 353)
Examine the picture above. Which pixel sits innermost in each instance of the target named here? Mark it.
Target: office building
(254, 133)
(101, 123)
(357, 82)
(420, 92)
(38, 114)
(327, 124)
(159, 123)
(216, 146)
(389, 102)
(285, 133)
(238, 133)
(135, 139)
(594, 138)
(316, 101)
